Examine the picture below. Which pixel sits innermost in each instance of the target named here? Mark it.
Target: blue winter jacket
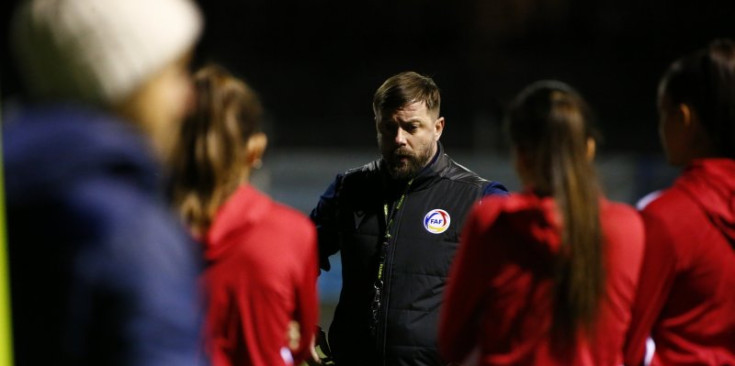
(101, 274)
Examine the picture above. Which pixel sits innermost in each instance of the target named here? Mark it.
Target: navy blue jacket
(101, 274)
(351, 219)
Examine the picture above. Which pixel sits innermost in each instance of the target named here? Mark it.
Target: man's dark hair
(406, 88)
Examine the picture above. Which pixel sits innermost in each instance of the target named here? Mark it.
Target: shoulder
(621, 222)
(486, 211)
(71, 127)
(70, 146)
(129, 232)
(250, 208)
(353, 182)
(291, 218)
(674, 221)
(457, 173)
(286, 230)
(267, 218)
(618, 211)
(360, 174)
(123, 209)
(666, 207)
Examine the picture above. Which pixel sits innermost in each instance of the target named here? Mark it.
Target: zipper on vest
(381, 286)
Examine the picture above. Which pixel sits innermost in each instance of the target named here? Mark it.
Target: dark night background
(317, 63)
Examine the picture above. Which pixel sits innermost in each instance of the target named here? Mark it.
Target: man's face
(408, 138)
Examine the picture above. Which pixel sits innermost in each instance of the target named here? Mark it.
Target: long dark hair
(549, 124)
(705, 81)
(209, 160)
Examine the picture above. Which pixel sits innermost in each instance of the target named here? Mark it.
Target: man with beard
(396, 222)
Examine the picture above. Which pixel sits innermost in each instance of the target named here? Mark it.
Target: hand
(314, 358)
(293, 336)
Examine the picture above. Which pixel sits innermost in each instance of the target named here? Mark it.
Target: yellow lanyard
(390, 218)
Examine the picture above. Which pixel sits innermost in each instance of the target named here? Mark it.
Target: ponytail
(209, 162)
(549, 124)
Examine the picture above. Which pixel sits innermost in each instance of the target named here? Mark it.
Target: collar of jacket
(430, 173)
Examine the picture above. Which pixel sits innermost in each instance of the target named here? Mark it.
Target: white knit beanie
(99, 51)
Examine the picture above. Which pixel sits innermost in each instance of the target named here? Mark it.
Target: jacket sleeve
(325, 217)
(656, 279)
(459, 321)
(307, 301)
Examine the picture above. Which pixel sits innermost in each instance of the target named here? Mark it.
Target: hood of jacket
(240, 213)
(530, 219)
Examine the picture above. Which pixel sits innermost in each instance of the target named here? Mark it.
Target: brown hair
(549, 124)
(705, 81)
(209, 161)
(405, 88)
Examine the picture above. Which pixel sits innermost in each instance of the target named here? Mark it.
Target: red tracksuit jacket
(262, 273)
(499, 299)
(686, 296)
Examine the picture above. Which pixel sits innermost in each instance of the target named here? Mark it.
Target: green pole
(6, 334)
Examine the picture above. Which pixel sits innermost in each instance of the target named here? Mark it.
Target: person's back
(261, 263)
(98, 268)
(693, 264)
(547, 276)
(685, 302)
(512, 244)
(100, 271)
(261, 256)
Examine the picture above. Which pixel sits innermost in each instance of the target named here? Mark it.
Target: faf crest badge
(437, 221)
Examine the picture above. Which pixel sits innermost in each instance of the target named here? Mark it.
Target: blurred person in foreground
(396, 222)
(261, 256)
(686, 298)
(101, 272)
(546, 276)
